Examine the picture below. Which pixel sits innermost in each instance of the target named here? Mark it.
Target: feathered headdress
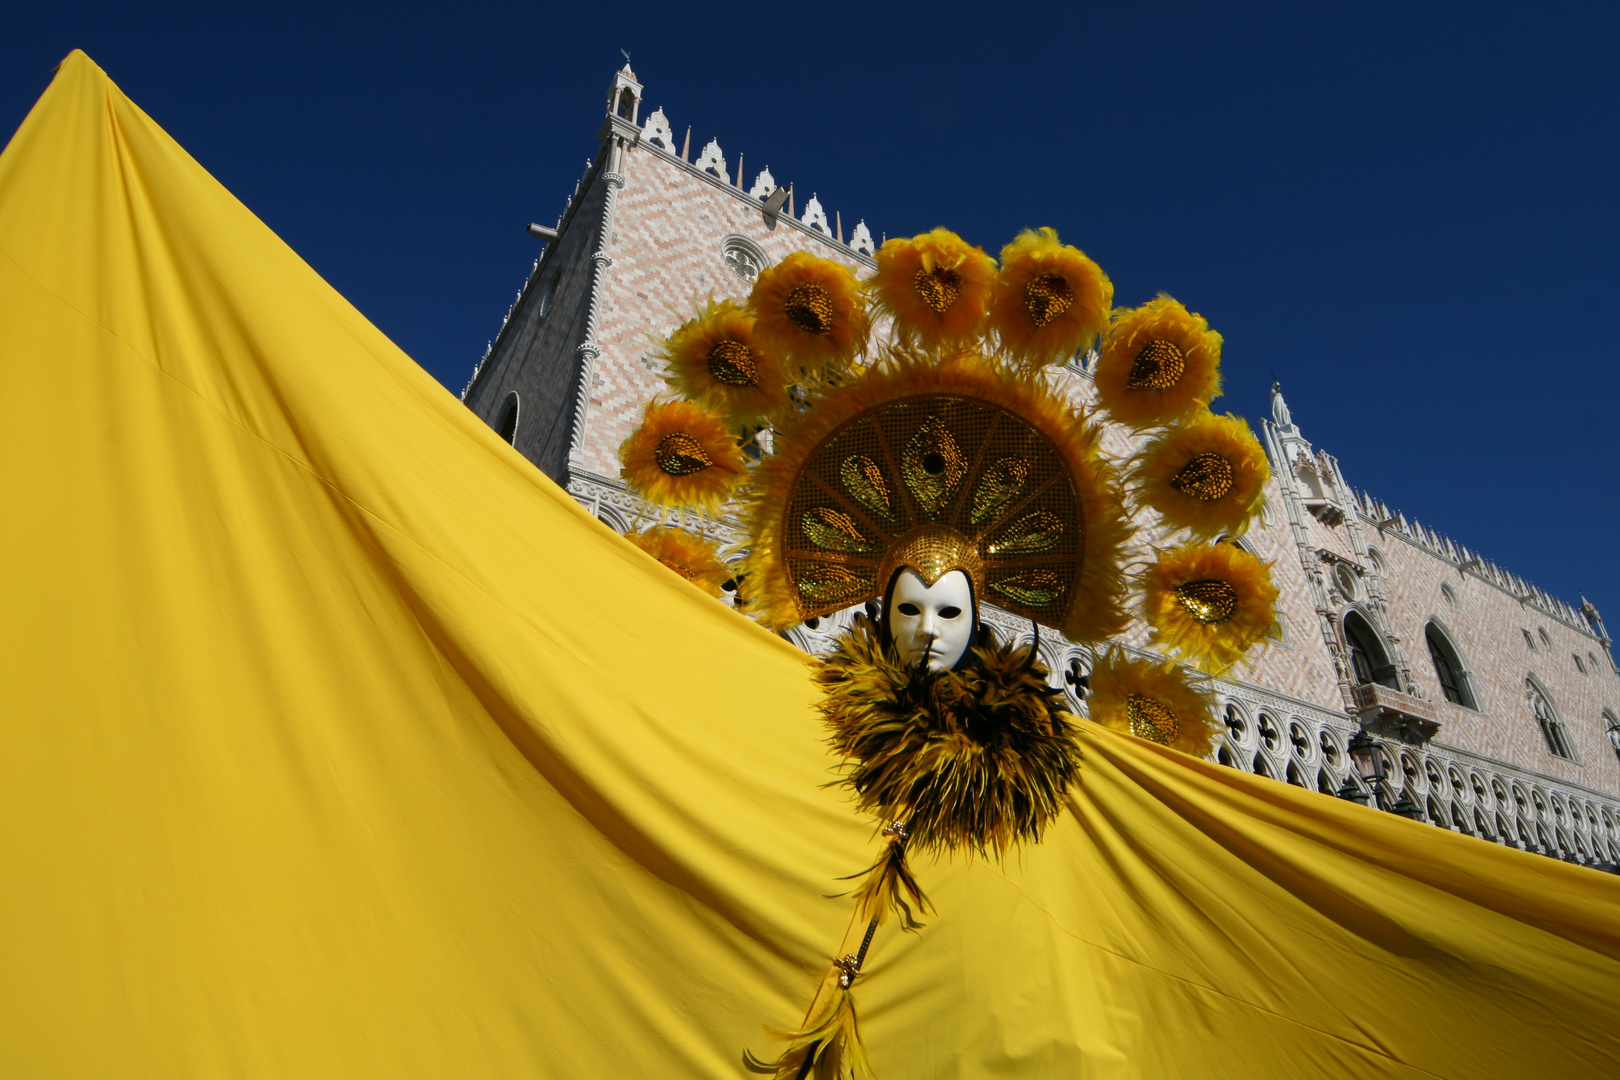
(944, 445)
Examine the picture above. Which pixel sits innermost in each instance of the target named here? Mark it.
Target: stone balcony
(1391, 712)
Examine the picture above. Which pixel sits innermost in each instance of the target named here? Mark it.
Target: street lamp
(1350, 791)
(1408, 809)
(1367, 755)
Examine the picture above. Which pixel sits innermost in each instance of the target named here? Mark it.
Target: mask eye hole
(949, 612)
(909, 610)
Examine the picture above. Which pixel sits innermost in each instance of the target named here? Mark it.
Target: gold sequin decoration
(939, 288)
(1000, 482)
(810, 308)
(830, 584)
(1206, 477)
(1036, 588)
(679, 454)
(834, 530)
(1209, 601)
(1031, 533)
(732, 362)
(684, 571)
(1150, 720)
(863, 479)
(1158, 366)
(1046, 297)
(932, 466)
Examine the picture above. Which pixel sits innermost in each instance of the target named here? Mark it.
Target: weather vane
(626, 56)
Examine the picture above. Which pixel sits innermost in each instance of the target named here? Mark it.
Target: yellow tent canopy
(336, 741)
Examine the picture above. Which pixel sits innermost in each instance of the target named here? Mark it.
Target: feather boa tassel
(827, 1050)
(889, 887)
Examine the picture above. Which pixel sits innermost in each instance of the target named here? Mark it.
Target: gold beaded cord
(966, 470)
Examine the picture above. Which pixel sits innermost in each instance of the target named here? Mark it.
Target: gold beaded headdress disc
(959, 466)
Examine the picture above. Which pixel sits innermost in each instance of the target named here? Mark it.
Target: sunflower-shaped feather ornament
(1162, 704)
(1207, 476)
(936, 287)
(691, 557)
(810, 312)
(1209, 603)
(715, 360)
(1158, 364)
(682, 455)
(1050, 300)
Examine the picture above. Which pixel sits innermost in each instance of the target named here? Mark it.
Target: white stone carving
(712, 160)
(861, 240)
(814, 216)
(656, 131)
(764, 184)
(743, 257)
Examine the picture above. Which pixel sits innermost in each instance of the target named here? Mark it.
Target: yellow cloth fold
(336, 741)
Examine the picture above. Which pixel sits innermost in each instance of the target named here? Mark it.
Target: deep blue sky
(1409, 211)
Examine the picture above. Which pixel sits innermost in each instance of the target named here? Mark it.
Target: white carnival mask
(935, 620)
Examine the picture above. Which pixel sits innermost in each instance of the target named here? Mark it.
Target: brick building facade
(1498, 705)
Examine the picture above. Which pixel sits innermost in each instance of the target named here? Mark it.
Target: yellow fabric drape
(336, 741)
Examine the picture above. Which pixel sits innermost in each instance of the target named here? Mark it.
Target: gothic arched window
(1448, 668)
(1552, 729)
(1367, 657)
(506, 425)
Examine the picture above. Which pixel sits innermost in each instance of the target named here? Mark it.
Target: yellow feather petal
(810, 312)
(1157, 364)
(682, 455)
(1208, 603)
(1168, 706)
(1050, 300)
(936, 287)
(716, 361)
(692, 557)
(1207, 475)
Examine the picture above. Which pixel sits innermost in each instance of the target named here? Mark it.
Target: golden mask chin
(1158, 364)
(1208, 604)
(936, 287)
(691, 557)
(810, 312)
(1165, 705)
(1050, 300)
(1207, 476)
(682, 455)
(716, 361)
